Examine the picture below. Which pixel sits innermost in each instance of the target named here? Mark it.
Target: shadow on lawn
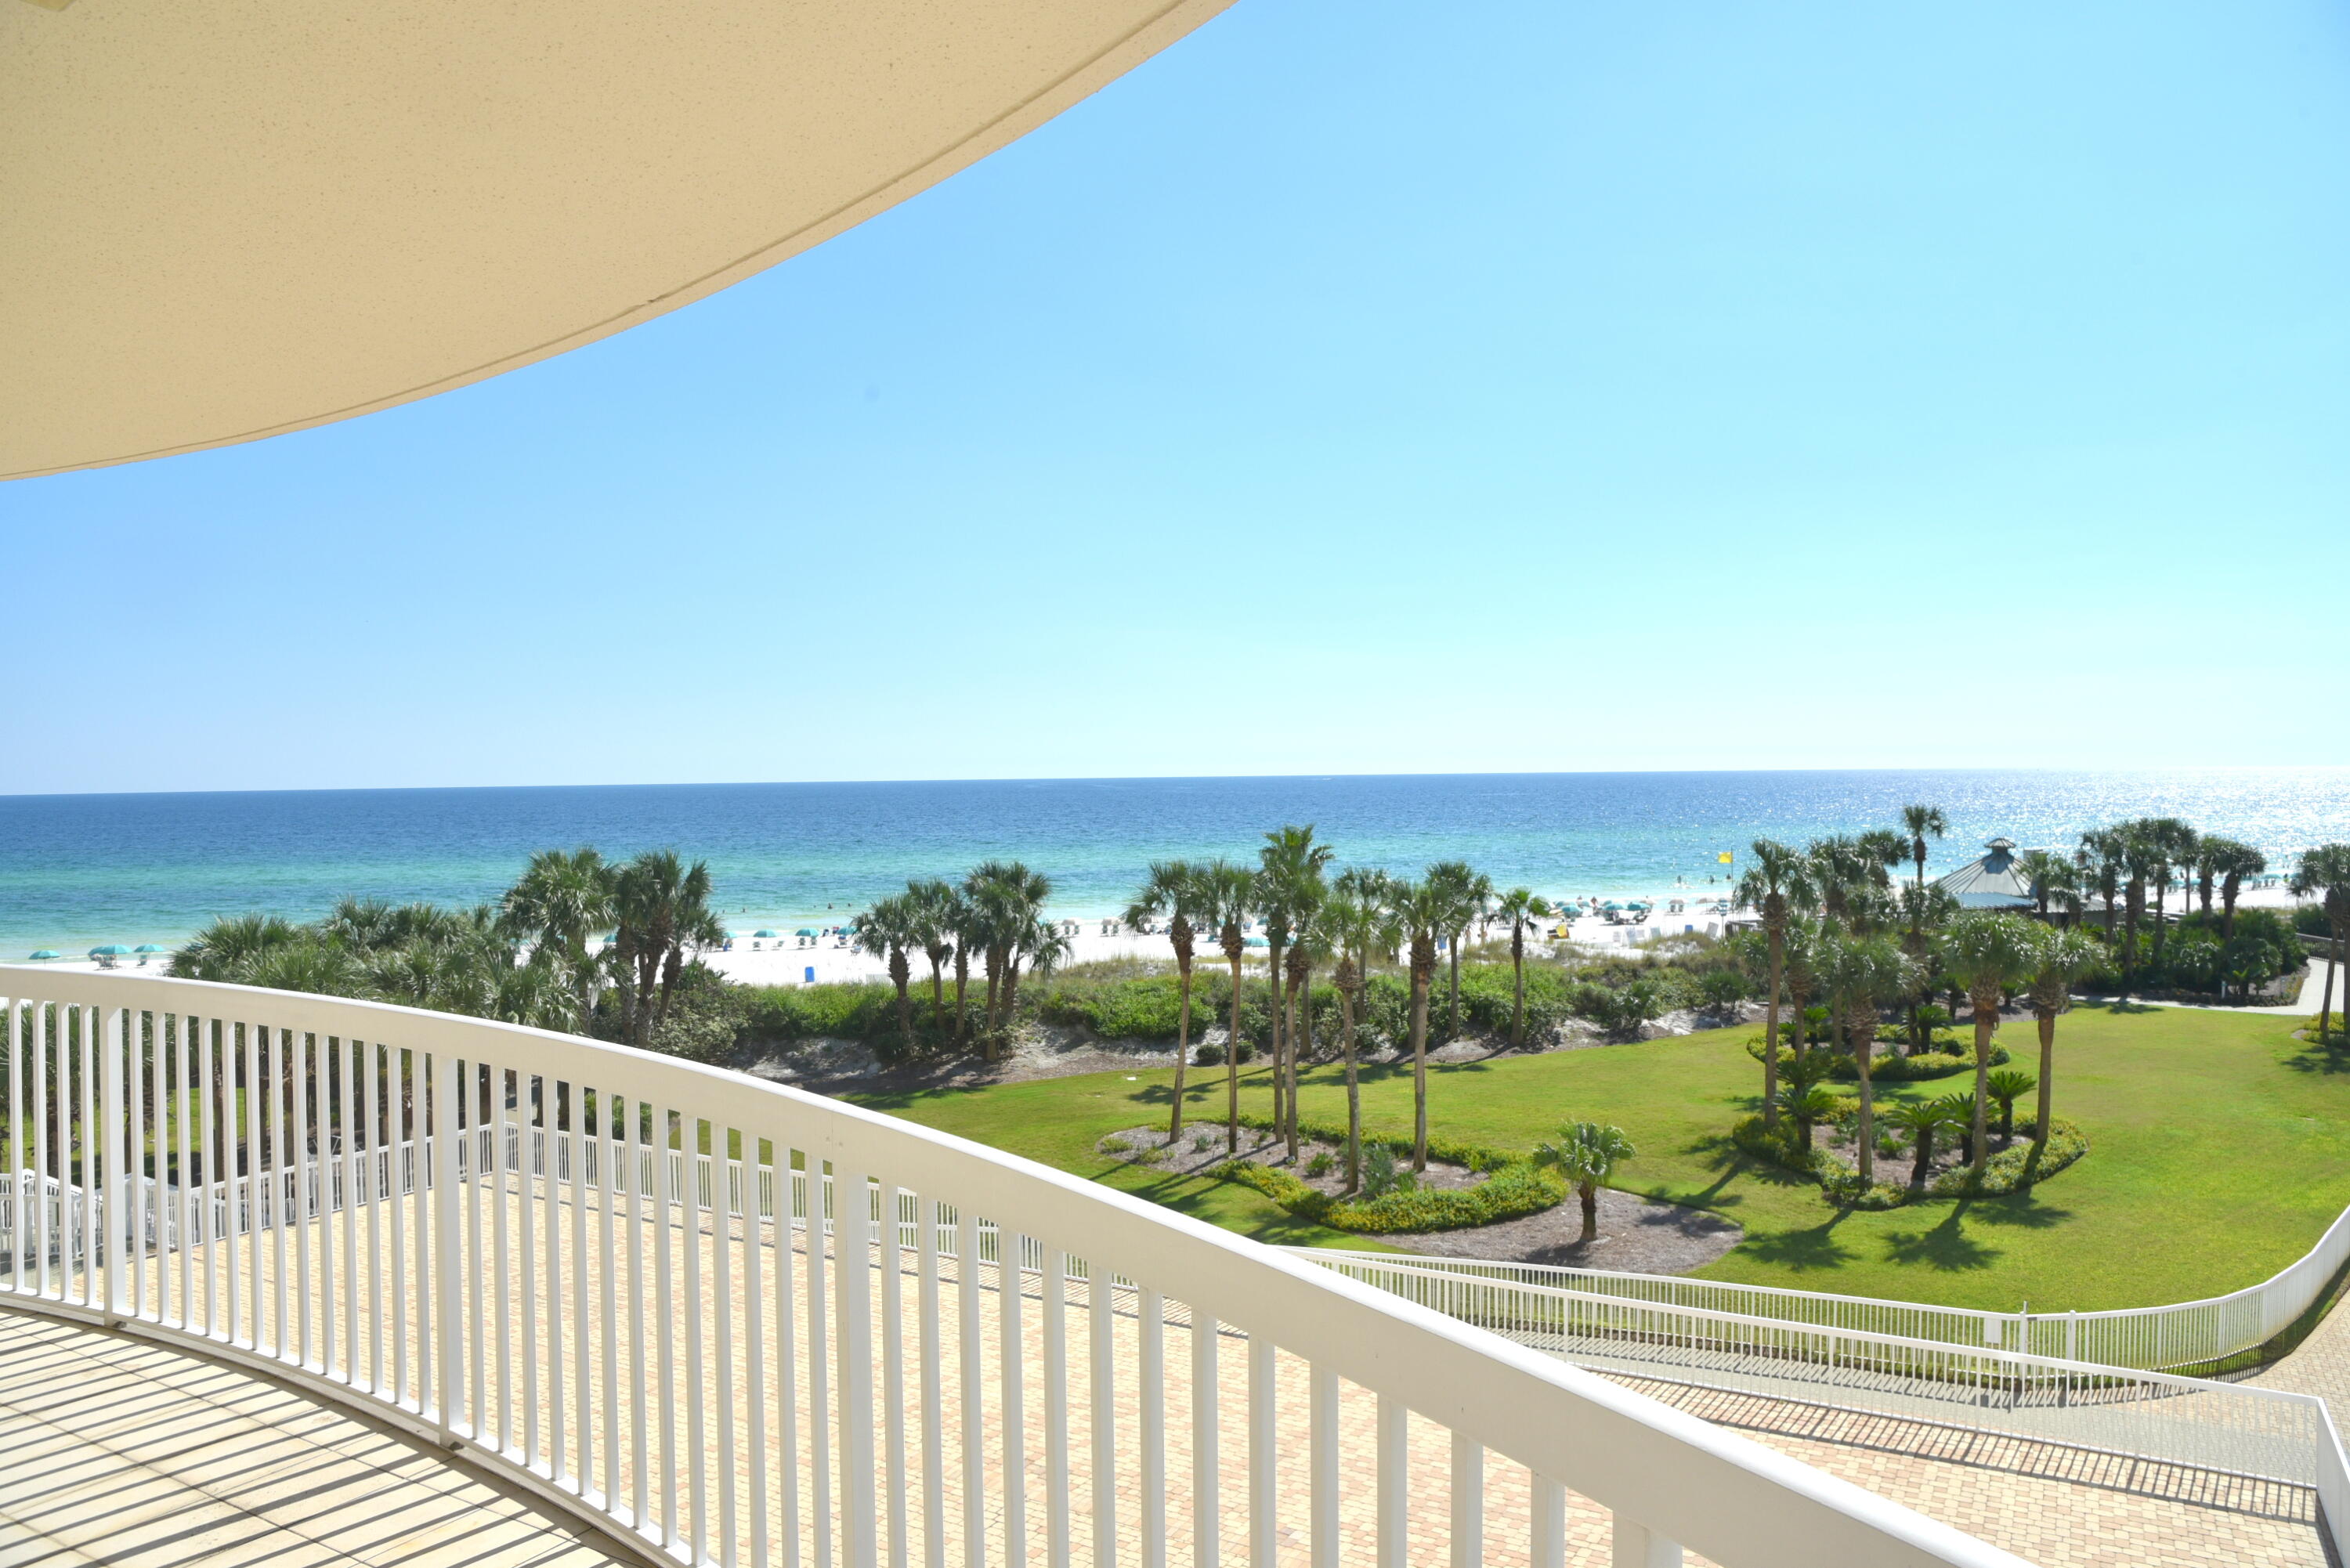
(2327, 1061)
(1801, 1251)
(1947, 1247)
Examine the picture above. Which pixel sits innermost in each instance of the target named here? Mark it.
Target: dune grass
(2220, 1150)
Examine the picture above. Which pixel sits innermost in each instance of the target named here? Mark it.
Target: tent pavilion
(1993, 881)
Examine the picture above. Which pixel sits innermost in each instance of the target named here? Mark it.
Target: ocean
(79, 870)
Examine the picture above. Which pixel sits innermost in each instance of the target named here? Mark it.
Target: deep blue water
(76, 870)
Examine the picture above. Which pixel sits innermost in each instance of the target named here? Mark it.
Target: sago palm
(1919, 1121)
(2008, 1086)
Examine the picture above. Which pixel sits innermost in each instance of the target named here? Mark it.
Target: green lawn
(2219, 1149)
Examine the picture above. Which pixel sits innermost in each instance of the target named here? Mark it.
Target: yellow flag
(1724, 857)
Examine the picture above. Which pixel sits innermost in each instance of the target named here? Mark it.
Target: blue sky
(1355, 387)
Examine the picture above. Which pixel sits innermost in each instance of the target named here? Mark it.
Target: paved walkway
(2313, 991)
(116, 1451)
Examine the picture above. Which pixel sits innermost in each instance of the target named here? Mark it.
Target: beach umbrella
(47, 953)
(804, 931)
(112, 950)
(147, 948)
(763, 931)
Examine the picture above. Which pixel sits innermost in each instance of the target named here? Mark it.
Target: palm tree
(559, 898)
(2232, 861)
(1040, 944)
(661, 907)
(2108, 848)
(1921, 823)
(2050, 874)
(1777, 878)
(2324, 872)
(1357, 924)
(2170, 845)
(1227, 896)
(1586, 1154)
(1990, 952)
(933, 907)
(1467, 894)
(1289, 882)
(890, 930)
(1309, 945)
(230, 944)
(2064, 958)
(1171, 893)
(1922, 1119)
(1862, 974)
(1420, 910)
(1519, 906)
(967, 923)
(1006, 898)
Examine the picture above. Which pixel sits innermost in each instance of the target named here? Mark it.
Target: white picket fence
(626, 1320)
(2152, 1338)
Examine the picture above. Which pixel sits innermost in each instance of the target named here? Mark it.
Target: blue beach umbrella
(147, 948)
(47, 953)
(763, 931)
(111, 950)
(804, 931)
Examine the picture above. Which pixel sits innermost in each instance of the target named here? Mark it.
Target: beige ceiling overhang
(224, 220)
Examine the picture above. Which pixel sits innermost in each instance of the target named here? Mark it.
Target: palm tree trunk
(1452, 1005)
(962, 978)
(1273, 1024)
(1353, 1094)
(1518, 984)
(1297, 1007)
(1419, 1069)
(1233, 1069)
(1770, 1030)
(938, 996)
(1986, 1018)
(1589, 1192)
(2325, 1010)
(1182, 1042)
(902, 975)
(2047, 1082)
(1864, 1046)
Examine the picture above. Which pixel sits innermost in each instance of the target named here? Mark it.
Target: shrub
(1322, 1164)
(1891, 1067)
(1203, 1143)
(1115, 1146)
(1213, 1055)
(1510, 1193)
(1840, 1183)
(1382, 1175)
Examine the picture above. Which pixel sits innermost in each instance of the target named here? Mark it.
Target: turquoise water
(79, 870)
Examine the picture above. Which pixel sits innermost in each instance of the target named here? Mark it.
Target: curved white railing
(2153, 1338)
(361, 1199)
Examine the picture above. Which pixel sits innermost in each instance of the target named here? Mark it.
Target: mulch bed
(1637, 1235)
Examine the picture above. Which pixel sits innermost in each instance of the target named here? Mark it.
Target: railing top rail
(2018, 1360)
(1700, 1484)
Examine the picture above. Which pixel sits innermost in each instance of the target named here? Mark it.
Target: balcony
(626, 1307)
